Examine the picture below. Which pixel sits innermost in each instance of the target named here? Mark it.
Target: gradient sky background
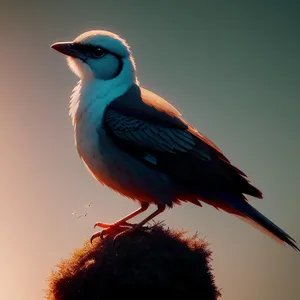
(233, 71)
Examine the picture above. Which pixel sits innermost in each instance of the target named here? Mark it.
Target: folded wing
(151, 129)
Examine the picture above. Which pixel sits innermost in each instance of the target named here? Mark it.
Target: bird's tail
(248, 213)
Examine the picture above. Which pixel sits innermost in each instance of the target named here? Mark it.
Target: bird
(74, 213)
(82, 215)
(88, 204)
(138, 144)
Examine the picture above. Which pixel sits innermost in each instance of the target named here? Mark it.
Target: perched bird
(82, 215)
(136, 143)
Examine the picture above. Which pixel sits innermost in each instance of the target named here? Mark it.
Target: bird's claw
(105, 225)
(112, 230)
(98, 234)
(123, 233)
(115, 230)
(128, 231)
(95, 235)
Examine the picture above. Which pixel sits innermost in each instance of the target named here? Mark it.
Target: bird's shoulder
(145, 106)
(139, 107)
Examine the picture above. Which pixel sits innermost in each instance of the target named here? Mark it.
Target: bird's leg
(120, 224)
(123, 221)
(160, 209)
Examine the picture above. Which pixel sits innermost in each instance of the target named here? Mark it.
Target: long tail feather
(248, 213)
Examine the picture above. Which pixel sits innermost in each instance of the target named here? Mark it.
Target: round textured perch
(146, 263)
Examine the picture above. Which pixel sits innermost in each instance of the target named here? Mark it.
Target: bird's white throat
(92, 95)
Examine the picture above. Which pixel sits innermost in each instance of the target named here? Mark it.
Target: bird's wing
(161, 104)
(150, 128)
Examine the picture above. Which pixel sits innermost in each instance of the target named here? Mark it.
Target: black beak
(69, 49)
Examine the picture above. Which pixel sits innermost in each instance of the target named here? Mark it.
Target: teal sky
(231, 67)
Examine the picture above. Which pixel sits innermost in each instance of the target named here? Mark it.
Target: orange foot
(110, 229)
(116, 230)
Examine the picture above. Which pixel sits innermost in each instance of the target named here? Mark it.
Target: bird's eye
(98, 52)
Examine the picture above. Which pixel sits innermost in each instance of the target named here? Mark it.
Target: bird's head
(98, 54)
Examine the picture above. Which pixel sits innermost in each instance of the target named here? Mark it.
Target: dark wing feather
(150, 128)
(146, 135)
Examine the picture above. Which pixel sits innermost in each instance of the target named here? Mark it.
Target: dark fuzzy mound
(147, 263)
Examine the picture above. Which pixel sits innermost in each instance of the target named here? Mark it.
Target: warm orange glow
(232, 70)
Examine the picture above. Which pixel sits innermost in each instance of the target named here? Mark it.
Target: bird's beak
(69, 49)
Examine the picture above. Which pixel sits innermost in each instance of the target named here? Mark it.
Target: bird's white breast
(106, 162)
(88, 104)
(101, 157)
